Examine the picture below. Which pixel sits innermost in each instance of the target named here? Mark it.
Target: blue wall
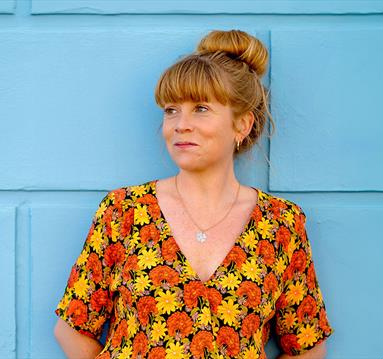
(78, 118)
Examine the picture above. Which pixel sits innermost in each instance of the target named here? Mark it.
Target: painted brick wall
(78, 118)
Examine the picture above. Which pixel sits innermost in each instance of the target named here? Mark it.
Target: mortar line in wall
(16, 242)
(29, 282)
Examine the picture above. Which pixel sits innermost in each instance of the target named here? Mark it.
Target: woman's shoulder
(131, 192)
(272, 202)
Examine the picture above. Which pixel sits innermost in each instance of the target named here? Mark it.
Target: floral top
(131, 271)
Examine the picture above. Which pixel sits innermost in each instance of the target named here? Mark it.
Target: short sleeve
(87, 301)
(301, 318)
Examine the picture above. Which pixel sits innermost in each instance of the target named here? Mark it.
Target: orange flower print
(121, 332)
(250, 325)
(308, 308)
(288, 343)
(192, 291)
(157, 353)
(215, 299)
(298, 261)
(201, 341)
(154, 211)
(78, 311)
(252, 292)
(105, 355)
(99, 299)
(145, 306)
(311, 277)
(266, 250)
(149, 232)
(119, 195)
(283, 237)
(73, 277)
(147, 199)
(108, 215)
(95, 266)
(265, 333)
(300, 226)
(164, 273)
(127, 221)
(140, 345)
(114, 254)
(169, 249)
(181, 323)
(257, 214)
(228, 337)
(276, 207)
(281, 302)
(236, 255)
(132, 274)
(270, 283)
(126, 295)
(323, 321)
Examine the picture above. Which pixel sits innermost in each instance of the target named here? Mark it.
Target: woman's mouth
(185, 144)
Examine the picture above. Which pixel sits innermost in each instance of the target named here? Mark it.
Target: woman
(198, 265)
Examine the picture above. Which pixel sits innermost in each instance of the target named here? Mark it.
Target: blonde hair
(226, 66)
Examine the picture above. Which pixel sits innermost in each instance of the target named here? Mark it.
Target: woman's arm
(318, 352)
(74, 344)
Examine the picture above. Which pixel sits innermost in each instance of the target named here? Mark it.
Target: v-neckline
(186, 260)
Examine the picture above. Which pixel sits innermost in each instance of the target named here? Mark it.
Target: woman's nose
(184, 122)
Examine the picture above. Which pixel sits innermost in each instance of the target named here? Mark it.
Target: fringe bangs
(191, 79)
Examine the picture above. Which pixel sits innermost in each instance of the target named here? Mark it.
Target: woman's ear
(245, 123)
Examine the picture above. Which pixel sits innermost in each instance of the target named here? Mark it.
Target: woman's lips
(185, 144)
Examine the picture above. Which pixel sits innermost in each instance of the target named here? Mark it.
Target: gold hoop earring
(238, 143)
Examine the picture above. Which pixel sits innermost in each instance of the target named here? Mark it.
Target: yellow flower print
(266, 309)
(289, 320)
(289, 217)
(175, 351)
(230, 281)
(228, 312)
(115, 282)
(296, 293)
(280, 265)
(81, 287)
(264, 228)
(204, 318)
(138, 190)
(292, 246)
(82, 258)
(166, 302)
(158, 331)
(132, 324)
(165, 230)
(141, 215)
(96, 240)
(250, 353)
(126, 353)
(115, 231)
(147, 258)
(101, 209)
(141, 283)
(252, 270)
(188, 271)
(249, 239)
(64, 302)
(307, 336)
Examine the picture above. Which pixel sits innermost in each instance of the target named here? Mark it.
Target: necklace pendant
(201, 236)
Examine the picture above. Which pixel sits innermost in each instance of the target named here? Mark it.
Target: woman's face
(198, 135)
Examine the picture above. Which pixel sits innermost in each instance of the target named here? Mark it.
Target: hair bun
(237, 44)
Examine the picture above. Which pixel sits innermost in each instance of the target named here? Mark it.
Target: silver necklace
(201, 235)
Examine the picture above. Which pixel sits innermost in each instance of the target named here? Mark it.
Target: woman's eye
(169, 110)
(203, 107)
